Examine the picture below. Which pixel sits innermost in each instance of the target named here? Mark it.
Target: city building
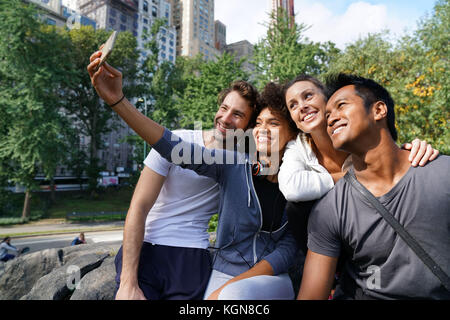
(119, 15)
(149, 10)
(137, 17)
(242, 49)
(194, 22)
(52, 12)
(74, 17)
(220, 35)
(287, 5)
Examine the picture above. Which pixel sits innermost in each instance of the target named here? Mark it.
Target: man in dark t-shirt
(379, 263)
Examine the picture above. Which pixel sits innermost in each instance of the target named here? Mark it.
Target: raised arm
(107, 81)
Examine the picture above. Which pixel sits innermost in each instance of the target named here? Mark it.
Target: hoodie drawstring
(248, 185)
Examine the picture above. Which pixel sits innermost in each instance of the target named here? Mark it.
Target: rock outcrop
(83, 272)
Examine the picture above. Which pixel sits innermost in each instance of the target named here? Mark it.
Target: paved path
(58, 226)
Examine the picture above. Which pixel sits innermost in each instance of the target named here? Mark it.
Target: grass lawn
(111, 200)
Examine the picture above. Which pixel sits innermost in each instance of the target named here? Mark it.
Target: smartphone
(107, 48)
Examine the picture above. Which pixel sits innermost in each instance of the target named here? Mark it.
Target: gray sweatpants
(255, 288)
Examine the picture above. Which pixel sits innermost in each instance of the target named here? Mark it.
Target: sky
(339, 21)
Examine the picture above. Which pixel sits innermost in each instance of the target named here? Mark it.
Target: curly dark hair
(272, 97)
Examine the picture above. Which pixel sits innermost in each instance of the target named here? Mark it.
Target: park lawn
(110, 201)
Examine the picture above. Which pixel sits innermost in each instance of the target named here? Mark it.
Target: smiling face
(234, 113)
(348, 119)
(306, 104)
(271, 132)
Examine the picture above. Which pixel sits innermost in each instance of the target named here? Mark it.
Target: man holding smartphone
(164, 254)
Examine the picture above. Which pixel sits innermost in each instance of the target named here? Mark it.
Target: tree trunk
(52, 190)
(26, 205)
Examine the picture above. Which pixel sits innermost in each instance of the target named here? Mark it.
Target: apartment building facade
(194, 22)
(288, 6)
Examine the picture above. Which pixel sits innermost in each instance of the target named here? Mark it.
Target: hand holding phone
(107, 48)
(106, 80)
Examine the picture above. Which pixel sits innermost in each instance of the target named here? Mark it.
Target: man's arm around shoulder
(145, 195)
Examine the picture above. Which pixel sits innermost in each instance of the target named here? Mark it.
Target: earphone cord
(265, 247)
(271, 225)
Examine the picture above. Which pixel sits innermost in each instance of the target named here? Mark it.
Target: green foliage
(285, 53)
(47, 99)
(33, 69)
(90, 116)
(415, 71)
(203, 82)
(212, 226)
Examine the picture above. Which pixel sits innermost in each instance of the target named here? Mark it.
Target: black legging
(298, 214)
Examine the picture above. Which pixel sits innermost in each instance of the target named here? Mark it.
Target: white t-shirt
(182, 211)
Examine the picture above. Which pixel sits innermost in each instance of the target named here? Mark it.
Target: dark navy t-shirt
(378, 260)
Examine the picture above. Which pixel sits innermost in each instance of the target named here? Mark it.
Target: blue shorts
(170, 273)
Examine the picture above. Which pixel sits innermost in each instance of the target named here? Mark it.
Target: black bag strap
(400, 230)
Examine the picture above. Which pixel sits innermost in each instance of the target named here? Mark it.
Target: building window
(45, 1)
(122, 27)
(146, 6)
(154, 11)
(145, 21)
(123, 18)
(51, 22)
(113, 12)
(112, 21)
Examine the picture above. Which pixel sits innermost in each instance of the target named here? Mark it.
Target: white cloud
(244, 18)
(359, 19)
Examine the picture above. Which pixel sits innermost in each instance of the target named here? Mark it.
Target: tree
(160, 80)
(415, 70)
(157, 82)
(89, 114)
(34, 67)
(423, 109)
(203, 82)
(285, 52)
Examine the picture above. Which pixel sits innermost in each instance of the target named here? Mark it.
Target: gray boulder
(98, 284)
(60, 283)
(55, 274)
(20, 274)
